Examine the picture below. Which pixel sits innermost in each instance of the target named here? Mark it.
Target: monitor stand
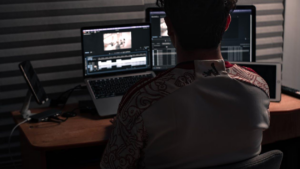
(25, 112)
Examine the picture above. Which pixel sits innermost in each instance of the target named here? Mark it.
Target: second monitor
(238, 42)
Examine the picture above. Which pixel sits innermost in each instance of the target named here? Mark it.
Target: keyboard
(111, 87)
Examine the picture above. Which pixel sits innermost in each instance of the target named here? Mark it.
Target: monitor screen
(109, 50)
(237, 44)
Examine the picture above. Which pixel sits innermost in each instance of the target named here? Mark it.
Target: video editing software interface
(235, 46)
(117, 49)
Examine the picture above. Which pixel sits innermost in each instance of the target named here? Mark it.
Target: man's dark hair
(199, 24)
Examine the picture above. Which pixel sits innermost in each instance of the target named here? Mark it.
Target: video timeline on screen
(116, 62)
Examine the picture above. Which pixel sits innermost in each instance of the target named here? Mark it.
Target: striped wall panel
(47, 33)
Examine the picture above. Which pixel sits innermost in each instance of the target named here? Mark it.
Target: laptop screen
(116, 49)
(238, 42)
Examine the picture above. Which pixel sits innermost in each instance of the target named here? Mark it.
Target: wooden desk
(38, 139)
(285, 120)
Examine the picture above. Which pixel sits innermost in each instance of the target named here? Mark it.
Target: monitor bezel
(253, 12)
(115, 73)
(278, 76)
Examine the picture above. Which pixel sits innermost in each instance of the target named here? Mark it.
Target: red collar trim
(228, 64)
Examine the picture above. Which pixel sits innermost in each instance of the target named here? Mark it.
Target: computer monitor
(238, 42)
(118, 49)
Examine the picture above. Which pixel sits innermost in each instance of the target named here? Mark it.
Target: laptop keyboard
(118, 86)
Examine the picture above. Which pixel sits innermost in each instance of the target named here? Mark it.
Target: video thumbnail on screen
(117, 41)
(163, 27)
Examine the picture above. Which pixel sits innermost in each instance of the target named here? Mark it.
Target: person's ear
(170, 26)
(171, 31)
(228, 22)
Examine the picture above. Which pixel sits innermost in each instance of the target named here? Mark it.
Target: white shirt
(199, 114)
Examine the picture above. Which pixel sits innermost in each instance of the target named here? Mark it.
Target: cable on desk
(60, 120)
(70, 113)
(49, 120)
(54, 121)
(63, 97)
(11, 158)
(57, 120)
(67, 115)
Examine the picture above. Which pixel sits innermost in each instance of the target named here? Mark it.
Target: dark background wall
(47, 32)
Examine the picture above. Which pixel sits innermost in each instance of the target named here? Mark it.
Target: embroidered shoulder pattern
(239, 73)
(127, 141)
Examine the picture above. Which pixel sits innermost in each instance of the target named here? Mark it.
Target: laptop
(114, 59)
(238, 42)
(271, 72)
